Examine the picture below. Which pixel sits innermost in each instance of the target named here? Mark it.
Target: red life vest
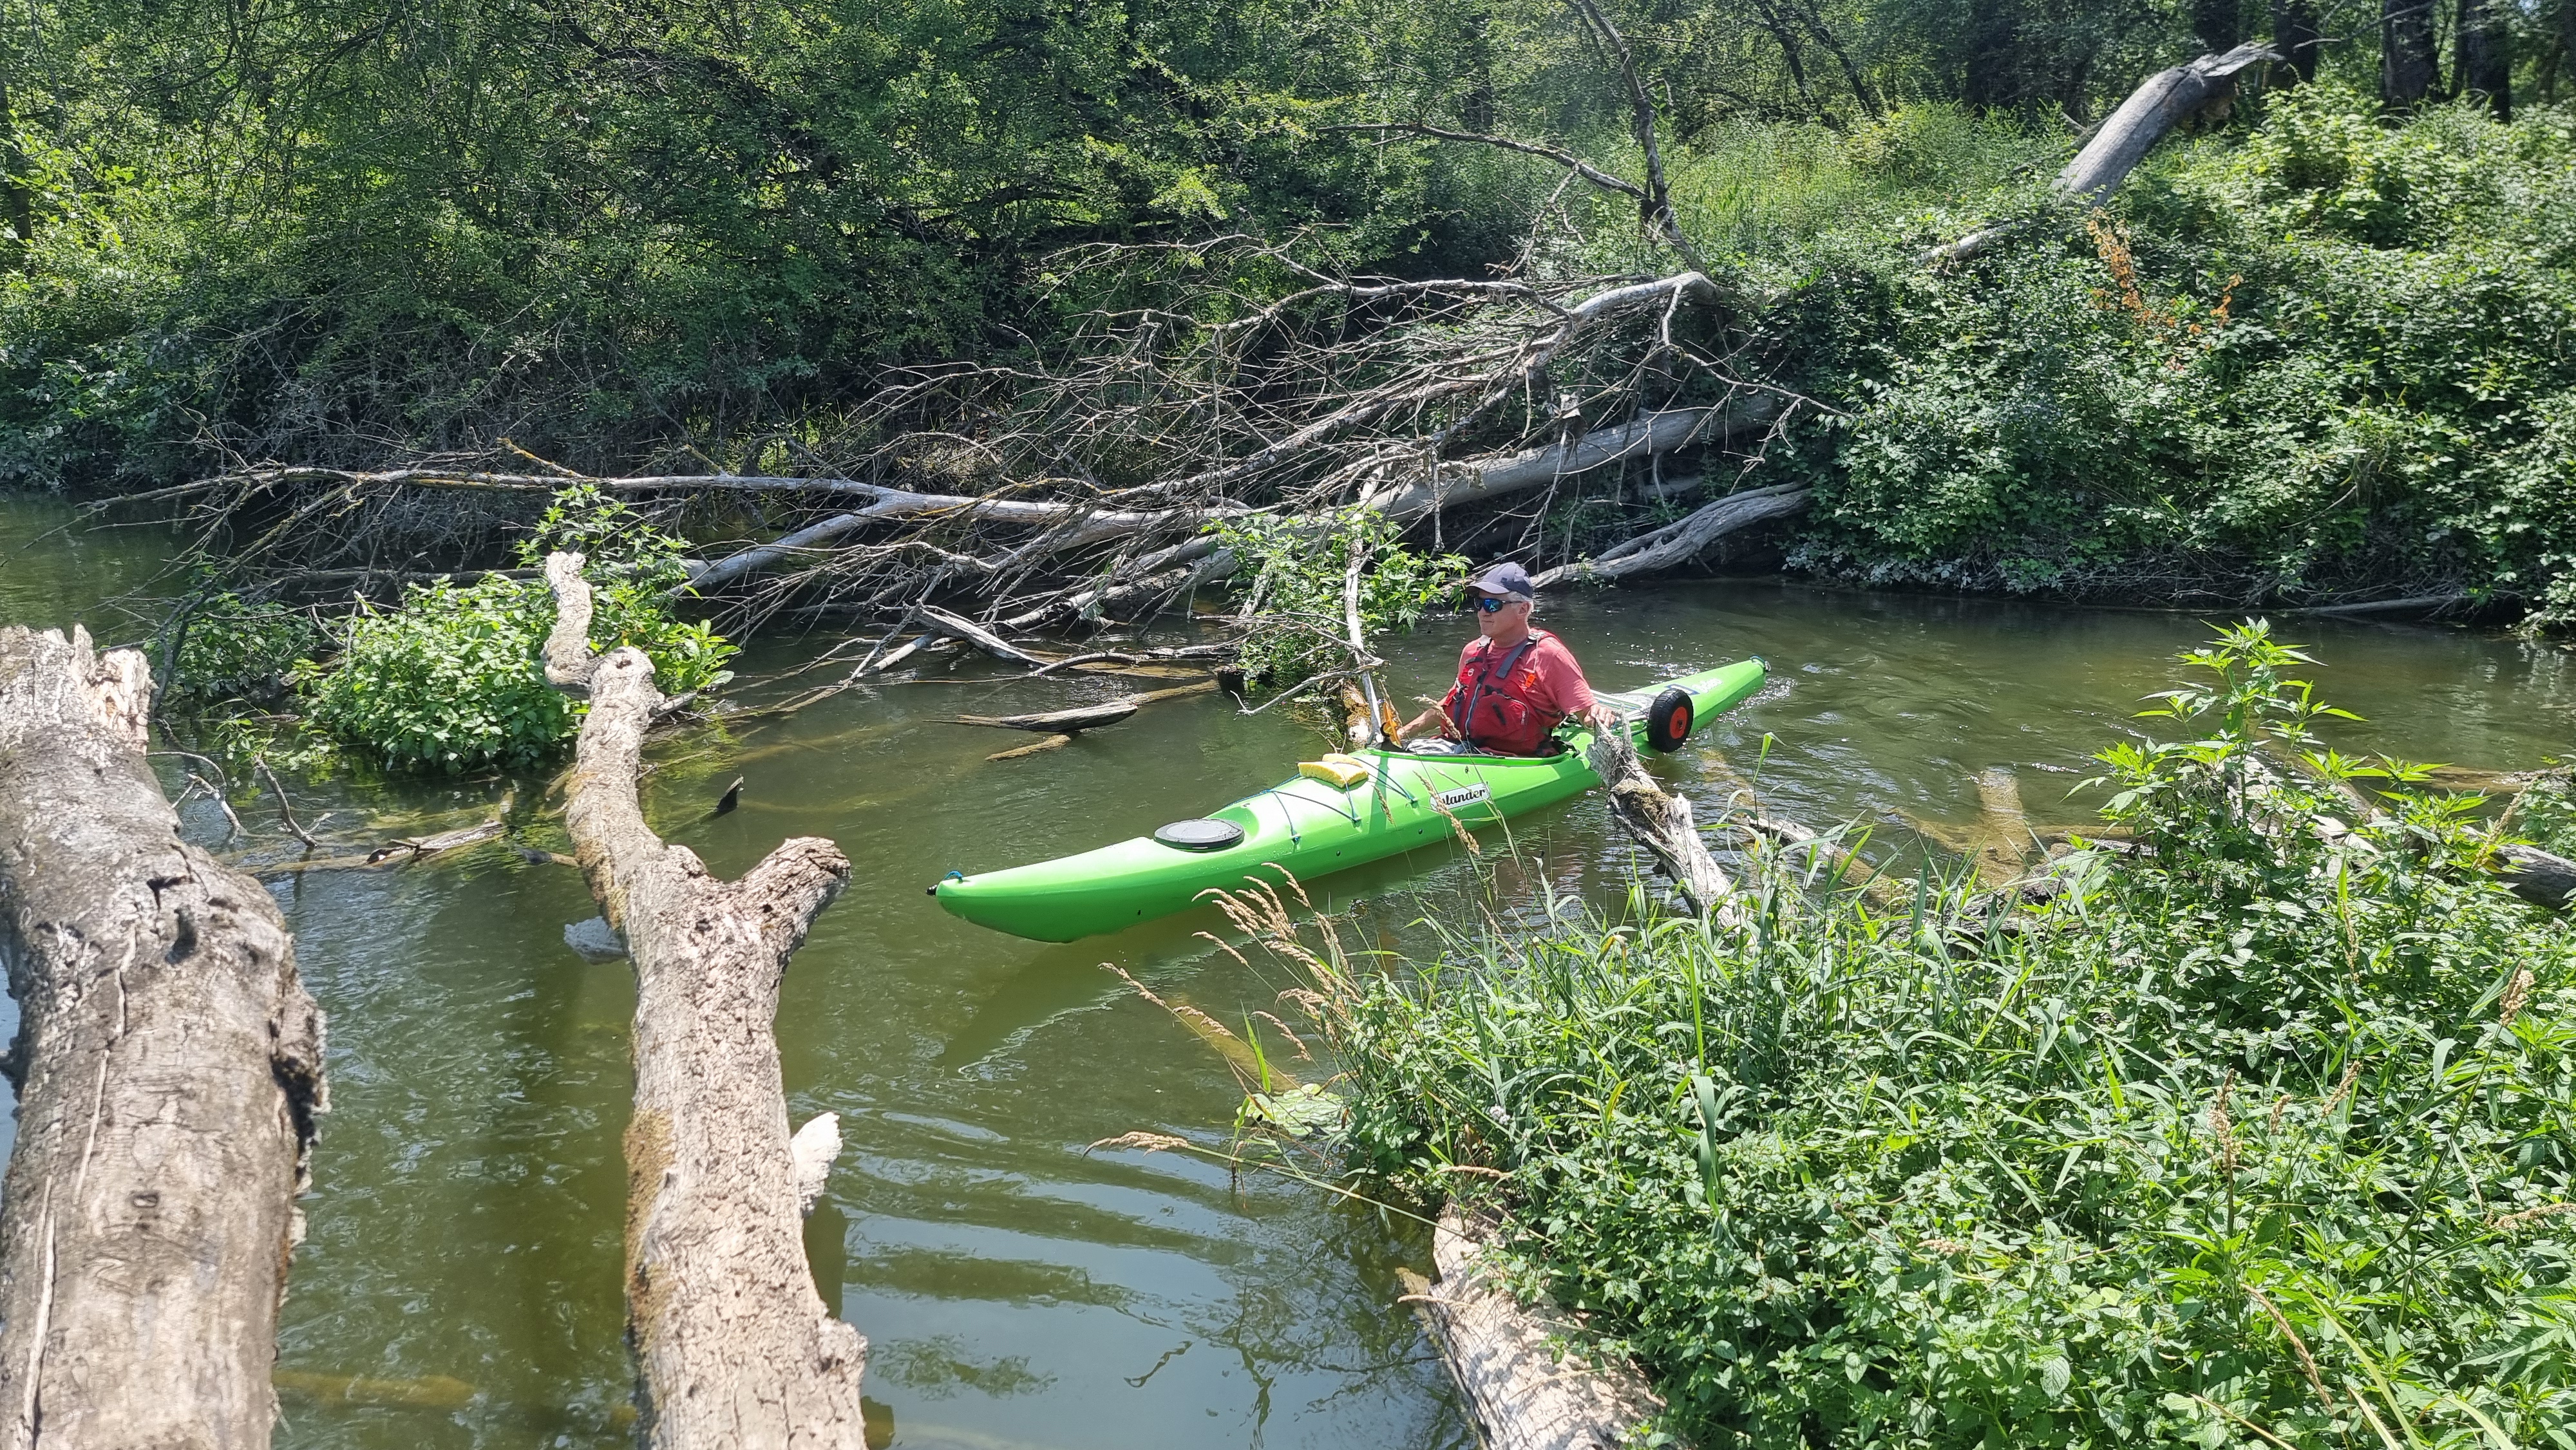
(1491, 704)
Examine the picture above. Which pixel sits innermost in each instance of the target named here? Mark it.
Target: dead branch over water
(1078, 488)
(169, 1067)
(734, 1346)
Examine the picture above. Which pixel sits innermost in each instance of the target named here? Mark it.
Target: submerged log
(1888, 894)
(1022, 752)
(1660, 822)
(1055, 722)
(1071, 722)
(1520, 1394)
(412, 848)
(734, 1346)
(169, 1068)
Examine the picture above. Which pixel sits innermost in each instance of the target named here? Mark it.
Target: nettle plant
(2261, 1131)
(450, 680)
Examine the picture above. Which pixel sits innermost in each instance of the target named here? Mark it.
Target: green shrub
(2264, 1134)
(451, 679)
(1294, 588)
(2325, 354)
(231, 647)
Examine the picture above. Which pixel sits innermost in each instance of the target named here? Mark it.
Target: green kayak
(1309, 827)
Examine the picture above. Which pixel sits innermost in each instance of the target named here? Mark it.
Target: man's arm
(1563, 678)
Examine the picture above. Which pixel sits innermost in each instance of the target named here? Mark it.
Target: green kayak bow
(1310, 827)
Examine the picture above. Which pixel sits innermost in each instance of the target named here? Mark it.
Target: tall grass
(2258, 1132)
(1762, 194)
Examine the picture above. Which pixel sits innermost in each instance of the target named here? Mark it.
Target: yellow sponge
(1339, 769)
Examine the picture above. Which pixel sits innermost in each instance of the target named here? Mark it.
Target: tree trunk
(169, 1067)
(2160, 103)
(1686, 538)
(2485, 66)
(734, 1346)
(1655, 433)
(2296, 36)
(2164, 101)
(2406, 59)
(1661, 823)
(1505, 1356)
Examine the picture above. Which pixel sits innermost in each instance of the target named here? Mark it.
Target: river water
(460, 1285)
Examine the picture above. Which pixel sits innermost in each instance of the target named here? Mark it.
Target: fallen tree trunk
(1660, 822)
(1519, 1393)
(2161, 102)
(2537, 876)
(1052, 722)
(1478, 480)
(169, 1068)
(2420, 604)
(733, 1345)
(1685, 539)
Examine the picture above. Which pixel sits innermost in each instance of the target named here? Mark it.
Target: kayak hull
(1306, 827)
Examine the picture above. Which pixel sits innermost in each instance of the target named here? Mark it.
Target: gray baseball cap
(1509, 579)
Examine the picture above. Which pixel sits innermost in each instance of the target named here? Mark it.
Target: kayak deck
(1307, 827)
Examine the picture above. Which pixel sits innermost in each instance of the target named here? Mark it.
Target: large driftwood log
(1661, 823)
(1479, 480)
(169, 1067)
(1506, 1357)
(1684, 539)
(734, 1346)
(2161, 102)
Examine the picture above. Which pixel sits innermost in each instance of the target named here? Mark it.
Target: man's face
(1504, 623)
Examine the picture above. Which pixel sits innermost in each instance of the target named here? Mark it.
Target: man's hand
(1601, 718)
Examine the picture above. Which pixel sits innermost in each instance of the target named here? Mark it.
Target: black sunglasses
(1494, 606)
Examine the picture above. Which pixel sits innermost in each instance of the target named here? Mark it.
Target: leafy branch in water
(1295, 573)
(449, 680)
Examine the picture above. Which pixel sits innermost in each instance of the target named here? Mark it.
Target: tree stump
(735, 1348)
(169, 1068)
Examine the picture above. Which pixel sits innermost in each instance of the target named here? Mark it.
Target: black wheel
(1668, 720)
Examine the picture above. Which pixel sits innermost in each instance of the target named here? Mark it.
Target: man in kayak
(1515, 684)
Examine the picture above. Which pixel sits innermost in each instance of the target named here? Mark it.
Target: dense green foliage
(2319, 349)
(2265, 1134)
(235, 648)
(451, 679)
(1295, 584)
(2332, 353)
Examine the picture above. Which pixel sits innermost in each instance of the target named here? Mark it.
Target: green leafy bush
(1295, 584)
(230, 647)
(2323, 354)
(2264, 1134)
(451, 679)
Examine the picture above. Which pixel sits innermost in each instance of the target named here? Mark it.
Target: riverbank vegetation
(2255, 1127)
(447, 678)
(1131, 274)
